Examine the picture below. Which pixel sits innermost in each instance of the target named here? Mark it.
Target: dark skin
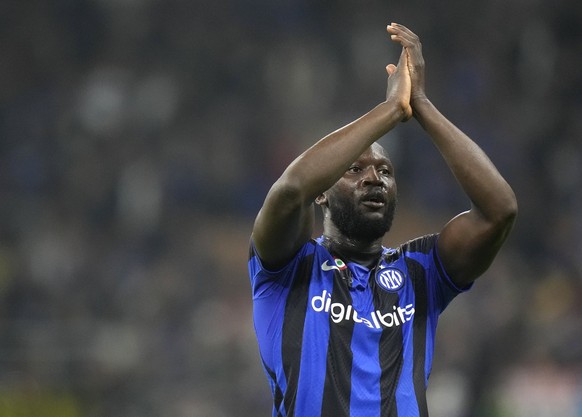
(467, 244)
(371, 174)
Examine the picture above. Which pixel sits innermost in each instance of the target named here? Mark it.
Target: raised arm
(469, 242)
(285, 222)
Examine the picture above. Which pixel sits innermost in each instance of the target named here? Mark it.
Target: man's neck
(363, 252)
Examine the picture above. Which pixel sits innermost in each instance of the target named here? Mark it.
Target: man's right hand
(411, 43)
(399, 85)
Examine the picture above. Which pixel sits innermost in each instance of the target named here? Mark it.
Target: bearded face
(361, 204)
(367, 218)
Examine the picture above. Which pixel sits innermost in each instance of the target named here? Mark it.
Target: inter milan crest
(390, 279)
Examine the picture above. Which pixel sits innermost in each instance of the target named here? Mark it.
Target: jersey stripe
(293, 323)
(365, 397)
(337, 388)
(391, 359)
(419, 334)
(277, 393)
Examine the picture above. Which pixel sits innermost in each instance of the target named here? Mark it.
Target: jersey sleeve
(270, 290)
(441, 289)
(265, 281)
(446, 289)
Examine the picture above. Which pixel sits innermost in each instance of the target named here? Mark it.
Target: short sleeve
(265, 281)
(446, 289)
(440, 287)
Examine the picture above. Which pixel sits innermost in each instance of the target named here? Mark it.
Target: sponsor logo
(390, 279)
(376, 320)
(339, 265)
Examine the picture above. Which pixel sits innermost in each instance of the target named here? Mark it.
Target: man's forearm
(474, 171)
(320, 166)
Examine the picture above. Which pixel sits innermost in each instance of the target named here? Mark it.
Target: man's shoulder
(307, 249)
(422, 244)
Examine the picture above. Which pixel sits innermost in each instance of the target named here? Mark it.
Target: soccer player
(345, 326)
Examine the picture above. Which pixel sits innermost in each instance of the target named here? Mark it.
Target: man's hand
(399, 85)
(413, 48)
(469, 242)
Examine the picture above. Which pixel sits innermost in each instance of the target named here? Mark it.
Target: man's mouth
(374, 200)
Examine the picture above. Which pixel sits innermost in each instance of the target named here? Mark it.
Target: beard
(353, 224)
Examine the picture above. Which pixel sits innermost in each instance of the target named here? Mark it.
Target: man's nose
(371, 177)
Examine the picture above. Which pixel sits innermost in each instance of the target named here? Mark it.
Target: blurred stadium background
(139, 137)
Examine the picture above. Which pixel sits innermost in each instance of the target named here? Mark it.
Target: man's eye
(354, 169)
(384, 172)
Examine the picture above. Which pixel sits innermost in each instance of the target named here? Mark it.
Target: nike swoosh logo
(327, 267)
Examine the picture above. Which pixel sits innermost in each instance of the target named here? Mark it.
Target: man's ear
(321, 200)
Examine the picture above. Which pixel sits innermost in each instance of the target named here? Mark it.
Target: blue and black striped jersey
(338, 339)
